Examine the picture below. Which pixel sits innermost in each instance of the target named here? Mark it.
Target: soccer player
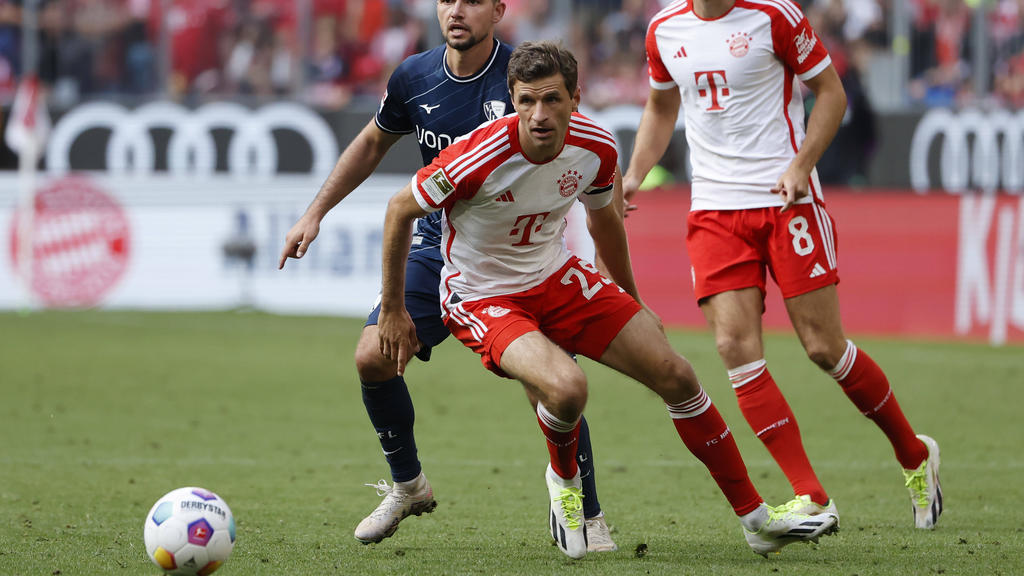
(757, 205)
(440, 95)
(512, 292)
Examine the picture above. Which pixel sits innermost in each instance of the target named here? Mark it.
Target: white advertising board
(163, 243)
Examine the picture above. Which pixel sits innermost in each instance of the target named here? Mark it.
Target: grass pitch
(101, 413)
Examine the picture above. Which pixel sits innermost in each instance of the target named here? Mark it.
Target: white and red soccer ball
(190, 532)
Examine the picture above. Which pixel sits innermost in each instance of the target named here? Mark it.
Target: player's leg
(803, 257)
(513, 338)
(729, 282)
(599, 537)
(641, 351)
(560, 387)
(815, 316)
(390, 408)
(602, 322)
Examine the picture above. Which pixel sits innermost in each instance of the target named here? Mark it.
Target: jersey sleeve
(796, 44)
(433, 186)
(391, 115)
(660, 77)
(599, 193)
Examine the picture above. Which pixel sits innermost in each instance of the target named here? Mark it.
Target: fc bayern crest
(494, 109)
(496, 311)
(739, 44)
(569, 183)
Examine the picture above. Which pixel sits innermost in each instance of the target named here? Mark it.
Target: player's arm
(355, 165)
(827, 114)
(657, 124)
(617, 200)
(606, 228)
(396, 330)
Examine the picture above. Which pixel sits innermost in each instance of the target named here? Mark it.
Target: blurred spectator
(1007, 26)
(846, 160)
(195, 28)
(530, 20)
(940, 74)
(221, 48)
(140, 54)
(326, 67)
(10, 47)
(615, 58)
(403, 37)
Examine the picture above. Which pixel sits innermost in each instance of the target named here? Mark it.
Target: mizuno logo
(506, 197)
(681, 53)
(818, 270)
(429, 108)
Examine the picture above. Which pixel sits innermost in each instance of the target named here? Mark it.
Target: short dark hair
(535, 60)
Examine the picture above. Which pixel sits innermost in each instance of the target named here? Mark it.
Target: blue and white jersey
(425, 97)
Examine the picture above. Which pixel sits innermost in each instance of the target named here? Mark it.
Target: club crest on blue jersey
(494, 109)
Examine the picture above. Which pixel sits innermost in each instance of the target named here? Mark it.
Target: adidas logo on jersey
(817, 271)
(506, 197)
(681, 53)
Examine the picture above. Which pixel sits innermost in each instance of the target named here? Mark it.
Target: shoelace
(381, 487)
(917, 482)
(571, 500)
(776, 512)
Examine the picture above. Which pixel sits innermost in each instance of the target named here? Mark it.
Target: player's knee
(732, 346)
(685, 378)
(371, 365)
(822, 354)
(566, 396)
(678, 380)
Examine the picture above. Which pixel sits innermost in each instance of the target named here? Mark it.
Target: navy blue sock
(585, 460)
(390, 409)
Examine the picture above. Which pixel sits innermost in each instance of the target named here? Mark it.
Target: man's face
(544, 107)
(466, 23)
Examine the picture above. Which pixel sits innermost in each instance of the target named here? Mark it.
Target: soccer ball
(190, 531)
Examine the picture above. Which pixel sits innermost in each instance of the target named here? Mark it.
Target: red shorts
(731, 249)
(576, 308)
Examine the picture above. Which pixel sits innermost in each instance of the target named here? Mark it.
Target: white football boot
(599, 536)
(774, 528)
(403, 499)
(925, 491)
(565, 513)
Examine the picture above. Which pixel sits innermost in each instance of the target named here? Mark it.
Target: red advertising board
(933, 265)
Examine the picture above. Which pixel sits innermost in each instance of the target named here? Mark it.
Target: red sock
(866, 385)
(708, 437)
(772, 420)
(562, 439)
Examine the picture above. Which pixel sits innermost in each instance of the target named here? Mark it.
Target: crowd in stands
(338, 51)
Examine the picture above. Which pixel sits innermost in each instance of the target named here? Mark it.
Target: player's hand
(627, 207)
(397, 339)
(792, 186)
(298, 239)
(630, 186)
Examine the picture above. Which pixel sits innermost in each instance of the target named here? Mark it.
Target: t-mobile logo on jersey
(528, 227)
(711, 84)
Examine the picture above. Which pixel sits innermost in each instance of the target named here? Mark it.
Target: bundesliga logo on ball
(190, 532)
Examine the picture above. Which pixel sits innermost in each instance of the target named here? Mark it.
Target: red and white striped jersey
(737, 75)
(503, 214)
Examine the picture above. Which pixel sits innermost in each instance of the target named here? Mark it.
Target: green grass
(101, 413)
